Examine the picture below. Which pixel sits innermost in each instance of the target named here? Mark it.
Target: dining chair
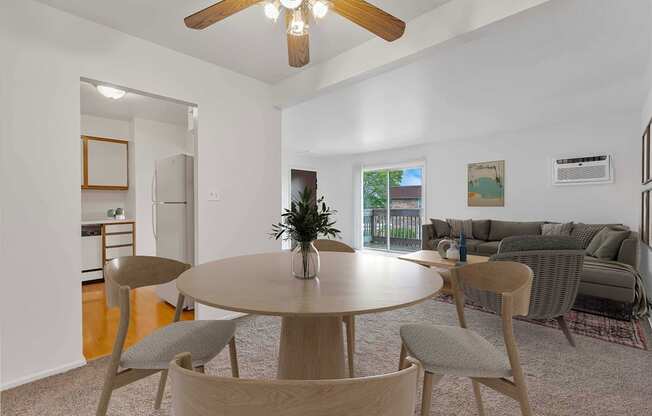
(197, 394)
(459, 351)
(152, 354)
(349, 320)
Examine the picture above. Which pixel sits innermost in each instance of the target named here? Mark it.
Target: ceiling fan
(298, 15)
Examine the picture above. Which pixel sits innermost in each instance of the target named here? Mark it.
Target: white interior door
(171, 179)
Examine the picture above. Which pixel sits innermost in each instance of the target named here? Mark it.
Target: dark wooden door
(300, 179)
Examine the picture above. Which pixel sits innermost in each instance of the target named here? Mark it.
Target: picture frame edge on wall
(646, 177)
(644, 230)
(504, 179)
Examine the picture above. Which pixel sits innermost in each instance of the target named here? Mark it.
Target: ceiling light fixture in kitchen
(111, 92)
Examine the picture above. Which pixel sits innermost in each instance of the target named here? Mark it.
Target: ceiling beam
(427, 31)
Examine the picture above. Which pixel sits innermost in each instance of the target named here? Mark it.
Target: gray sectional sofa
(616, 279)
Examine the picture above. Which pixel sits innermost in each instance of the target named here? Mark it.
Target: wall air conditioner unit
(582, 170)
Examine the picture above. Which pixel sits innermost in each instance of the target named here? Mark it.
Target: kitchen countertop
(106, 221)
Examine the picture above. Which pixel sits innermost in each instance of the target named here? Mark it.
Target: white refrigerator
(173, 222)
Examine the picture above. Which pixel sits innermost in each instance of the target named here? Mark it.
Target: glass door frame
(389, 167)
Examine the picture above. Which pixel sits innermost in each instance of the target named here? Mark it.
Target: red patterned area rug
(626, 333)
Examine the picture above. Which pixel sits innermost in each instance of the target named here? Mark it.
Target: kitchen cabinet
(118, 240)
(103, 241)
(105, 163)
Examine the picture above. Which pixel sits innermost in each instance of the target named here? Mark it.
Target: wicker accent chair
(557, 263)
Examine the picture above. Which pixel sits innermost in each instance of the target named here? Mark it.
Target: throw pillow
(442, 228)
(457, 226)
(557, 229)
(606, 243)
(584, 233)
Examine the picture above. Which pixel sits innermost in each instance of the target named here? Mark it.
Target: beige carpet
(597, 378)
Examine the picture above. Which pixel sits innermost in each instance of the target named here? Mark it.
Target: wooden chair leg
(103, 405)
(401, 361)
(349, 321)
(429, 380)
(521, 387)
(109, 384)
(478, 397)
(523, 401)
(564, 327)
(161, 389)
(233, 354)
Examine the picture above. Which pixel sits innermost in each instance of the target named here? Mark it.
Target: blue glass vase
(462, 247)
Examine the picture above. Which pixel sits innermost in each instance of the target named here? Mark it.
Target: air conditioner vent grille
(582, 170)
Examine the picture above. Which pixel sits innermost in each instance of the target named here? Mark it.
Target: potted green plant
(303, 223)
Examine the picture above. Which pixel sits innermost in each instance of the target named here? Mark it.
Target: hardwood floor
(100, 324)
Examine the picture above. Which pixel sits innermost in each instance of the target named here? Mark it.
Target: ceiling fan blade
(298, 47)
(370, 17)
(212, 14)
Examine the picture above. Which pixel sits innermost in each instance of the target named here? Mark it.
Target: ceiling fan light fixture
(272, 10)
(291, 4)
(298, 26)
(110, 92)
(319, 9)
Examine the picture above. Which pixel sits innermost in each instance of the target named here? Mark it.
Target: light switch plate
(213, 196)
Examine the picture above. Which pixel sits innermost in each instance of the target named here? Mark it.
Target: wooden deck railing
(404, 229)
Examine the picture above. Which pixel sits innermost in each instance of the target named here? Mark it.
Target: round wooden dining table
(311, 341)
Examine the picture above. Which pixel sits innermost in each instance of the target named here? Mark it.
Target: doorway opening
(137, 198)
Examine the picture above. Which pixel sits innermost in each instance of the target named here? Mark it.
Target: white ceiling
(246, 42)
(566, 59)
(130, 106)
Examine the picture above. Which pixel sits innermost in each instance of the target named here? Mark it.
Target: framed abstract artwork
(645, 156)
(644, 230)
(486, 184)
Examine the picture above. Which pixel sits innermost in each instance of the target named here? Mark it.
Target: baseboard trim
(42, 374)
(233, 316)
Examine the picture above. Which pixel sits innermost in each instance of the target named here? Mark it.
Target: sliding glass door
(392, 208)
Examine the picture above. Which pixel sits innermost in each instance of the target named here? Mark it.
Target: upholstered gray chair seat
(203, 339)
(454, 351)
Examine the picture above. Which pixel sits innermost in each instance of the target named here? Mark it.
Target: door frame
(420, 163)
(287, 194)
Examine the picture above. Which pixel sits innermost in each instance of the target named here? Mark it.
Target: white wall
(334, 182)
(529, 193)
(94, 203)
(153, 140)
(44, 54)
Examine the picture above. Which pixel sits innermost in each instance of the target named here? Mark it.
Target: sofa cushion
(472, 245)
(557, 229)
(457, 226)
(601, 274)
(488, 248)
(430, 244)
(442, 228)
(538, 242)
(606, 243)
(481, 229)
(503, 229)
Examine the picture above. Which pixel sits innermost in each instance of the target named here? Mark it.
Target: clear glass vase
(305, 261)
